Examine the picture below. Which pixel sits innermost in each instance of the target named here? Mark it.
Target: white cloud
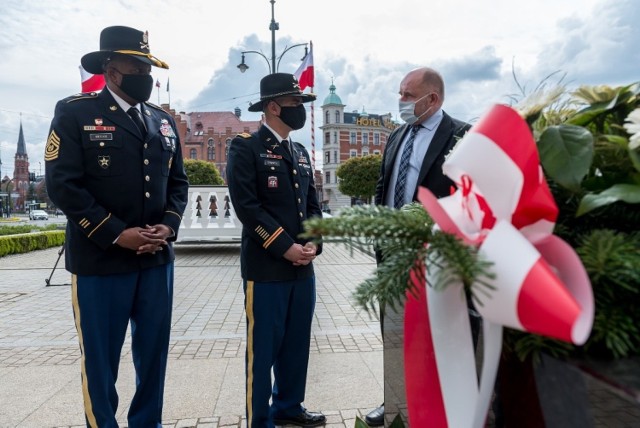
(599, 48)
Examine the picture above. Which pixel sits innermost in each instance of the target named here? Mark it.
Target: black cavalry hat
(279, 85)
(121, 40)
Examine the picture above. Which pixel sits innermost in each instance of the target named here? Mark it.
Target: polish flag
(91, 82)
(304, 73)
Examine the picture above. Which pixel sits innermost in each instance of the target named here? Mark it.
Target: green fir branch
(403, 238)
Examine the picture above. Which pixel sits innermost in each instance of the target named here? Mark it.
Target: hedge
(26, 242)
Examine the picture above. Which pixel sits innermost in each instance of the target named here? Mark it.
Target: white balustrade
(209, 216)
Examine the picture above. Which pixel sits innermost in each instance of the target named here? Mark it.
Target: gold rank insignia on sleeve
(263, 233)
(244, 135)
(53, 147)
(273, 237)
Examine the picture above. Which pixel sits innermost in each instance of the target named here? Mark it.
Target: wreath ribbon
(504, 207)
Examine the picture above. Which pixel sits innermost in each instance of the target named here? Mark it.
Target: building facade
(346, 135)
(207, 135)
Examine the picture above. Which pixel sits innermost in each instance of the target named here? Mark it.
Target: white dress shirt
(420, 147)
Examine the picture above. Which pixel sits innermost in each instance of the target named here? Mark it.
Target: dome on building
(332, 98)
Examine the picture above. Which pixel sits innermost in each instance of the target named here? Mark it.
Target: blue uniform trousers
(103, 305)
(279, 316)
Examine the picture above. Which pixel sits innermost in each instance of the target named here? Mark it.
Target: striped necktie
(403, 169)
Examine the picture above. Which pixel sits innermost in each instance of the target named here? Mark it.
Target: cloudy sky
(365, 48)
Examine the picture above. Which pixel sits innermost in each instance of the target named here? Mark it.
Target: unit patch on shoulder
(244, 135)
(53, 147)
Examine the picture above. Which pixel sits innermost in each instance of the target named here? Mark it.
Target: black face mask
(293, 117)
(137, 86)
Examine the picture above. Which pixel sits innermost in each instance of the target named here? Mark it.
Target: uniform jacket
(105, 177)
(272, 193)
(449, 131)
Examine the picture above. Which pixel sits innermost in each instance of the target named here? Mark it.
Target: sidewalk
(39, 355)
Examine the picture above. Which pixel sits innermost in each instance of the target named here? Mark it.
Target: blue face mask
(407, 110)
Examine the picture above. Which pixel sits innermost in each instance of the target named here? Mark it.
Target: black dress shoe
(375, 418)
(302, 419)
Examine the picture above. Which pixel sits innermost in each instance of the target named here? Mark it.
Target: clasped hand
(145, 240)
(301, 256)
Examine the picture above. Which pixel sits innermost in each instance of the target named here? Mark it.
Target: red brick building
(207, 135)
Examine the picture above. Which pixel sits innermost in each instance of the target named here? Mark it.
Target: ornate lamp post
(271, 64)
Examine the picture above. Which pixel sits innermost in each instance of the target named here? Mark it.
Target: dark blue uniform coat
(106, 178)
(272, 193)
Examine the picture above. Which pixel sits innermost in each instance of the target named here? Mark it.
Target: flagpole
(169, 91)
(305, 76)
(313, 137)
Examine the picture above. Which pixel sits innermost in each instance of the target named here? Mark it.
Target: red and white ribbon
(504, 206)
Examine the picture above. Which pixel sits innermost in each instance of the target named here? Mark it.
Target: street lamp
(272, 65)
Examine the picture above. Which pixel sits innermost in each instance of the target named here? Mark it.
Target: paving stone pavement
(39, 354)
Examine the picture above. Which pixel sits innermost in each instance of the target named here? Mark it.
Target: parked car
(38, 215)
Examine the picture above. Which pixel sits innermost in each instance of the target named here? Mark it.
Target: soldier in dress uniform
(273, 192)
(114, 167)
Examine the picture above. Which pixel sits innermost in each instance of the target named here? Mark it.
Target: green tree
(358, 176)
(202, 172)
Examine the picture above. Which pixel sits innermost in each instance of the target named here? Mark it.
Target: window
(352, 140)
(365, 151)
(211, 150)
(335, 156)
(365, 138)
(193, 154)
(226, 151)
(327, 157)
(337, 116)
(326, 138)
(326, 117)
(353, 153)
(376, 152)
(327, 177)
(376, 139)
(335, 137)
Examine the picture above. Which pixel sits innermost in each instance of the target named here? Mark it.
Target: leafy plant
(359, 175)
(201, 172)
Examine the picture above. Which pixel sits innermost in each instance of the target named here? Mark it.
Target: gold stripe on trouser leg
(88, 408)
(250, 322)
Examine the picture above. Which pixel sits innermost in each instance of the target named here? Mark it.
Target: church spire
(22, 147)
